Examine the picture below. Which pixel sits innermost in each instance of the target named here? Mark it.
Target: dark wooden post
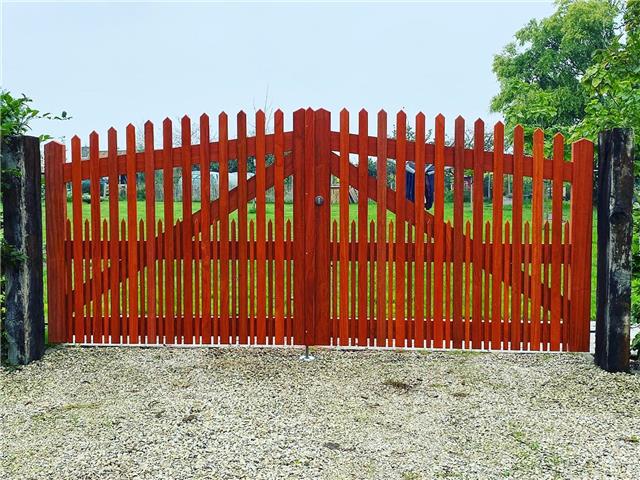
(615, 193)
(23, 324)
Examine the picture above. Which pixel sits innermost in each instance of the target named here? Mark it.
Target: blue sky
(111, 64)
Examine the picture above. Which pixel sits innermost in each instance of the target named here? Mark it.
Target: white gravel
(261, 413)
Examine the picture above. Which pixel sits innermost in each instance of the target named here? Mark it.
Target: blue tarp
(410, 183)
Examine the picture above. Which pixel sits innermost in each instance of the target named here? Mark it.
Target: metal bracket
(306, 357)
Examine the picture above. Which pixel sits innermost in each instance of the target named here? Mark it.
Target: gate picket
(381, 237)
(438, 225)
(363, 214)
(96, 267)
(419, 335)
(223, 163)
(242, 161)
(167, 178)
(496, 285)
(536, 238)
(478, 247)
(279, 227)
(261, 295)
(205, 198)
(516, 215)
(401, 145)
(458, 218)
(187, 231)
(344, 228)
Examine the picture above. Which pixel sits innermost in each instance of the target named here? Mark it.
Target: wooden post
(22, 255)
(615, 193)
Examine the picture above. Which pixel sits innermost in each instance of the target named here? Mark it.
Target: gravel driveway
(258, 413)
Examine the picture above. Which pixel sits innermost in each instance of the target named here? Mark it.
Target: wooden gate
(258, 254)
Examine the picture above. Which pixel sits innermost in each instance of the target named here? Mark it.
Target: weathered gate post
(22, 254)
(615, 193)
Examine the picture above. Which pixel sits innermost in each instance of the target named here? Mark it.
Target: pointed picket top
(401, 117)
(278, 117)
(558, 147)
(298, 111)
(260, 120)
(75, 139)
(167, 122)
(148, 125)
(420, 117)
(382, 115)
(344, 111)
(459, 123)
(94, 145)
(363, 116)
(204, 130)
(498, 135)
(131, 133)
(582, 142)
(538, 134)
(440, 129)
(479, 123)
(131, 138)
(185, 127)
(112, 141)
(51, 147)
(241, 116)
(223, 120)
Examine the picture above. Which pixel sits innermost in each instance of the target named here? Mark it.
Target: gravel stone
(146, 413)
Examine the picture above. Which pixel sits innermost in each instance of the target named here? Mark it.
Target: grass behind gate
(335, 215)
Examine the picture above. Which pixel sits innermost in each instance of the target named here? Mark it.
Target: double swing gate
(307, 237)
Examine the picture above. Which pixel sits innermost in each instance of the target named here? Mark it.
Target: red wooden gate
(248, 267)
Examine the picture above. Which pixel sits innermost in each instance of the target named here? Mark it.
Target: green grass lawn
(335, 214)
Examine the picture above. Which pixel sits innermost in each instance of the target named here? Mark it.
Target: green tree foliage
(612, 84)
(16, 114)
(540, 71)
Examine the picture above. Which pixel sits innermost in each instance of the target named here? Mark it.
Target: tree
(613, 87)
(612, 82)
(540, 71)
